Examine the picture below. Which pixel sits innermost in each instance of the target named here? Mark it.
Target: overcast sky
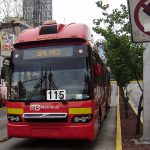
(80, 11)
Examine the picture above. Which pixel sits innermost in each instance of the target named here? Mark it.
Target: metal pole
(146, 103)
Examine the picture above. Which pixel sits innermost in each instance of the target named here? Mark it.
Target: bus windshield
(31, 77)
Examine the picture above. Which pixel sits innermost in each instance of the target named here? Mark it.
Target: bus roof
(48, 32)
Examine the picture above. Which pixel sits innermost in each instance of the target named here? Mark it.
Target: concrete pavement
(3, 123)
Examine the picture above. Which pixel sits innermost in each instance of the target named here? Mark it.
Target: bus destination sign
(48, 53)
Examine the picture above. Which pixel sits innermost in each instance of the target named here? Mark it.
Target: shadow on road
(44, 144)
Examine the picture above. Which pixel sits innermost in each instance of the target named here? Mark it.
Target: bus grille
(45, 117)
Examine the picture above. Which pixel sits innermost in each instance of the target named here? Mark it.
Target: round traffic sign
(144, 6)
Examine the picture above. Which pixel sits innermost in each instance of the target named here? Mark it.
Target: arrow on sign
(147, 9)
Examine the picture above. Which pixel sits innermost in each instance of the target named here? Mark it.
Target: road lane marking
(118, 134)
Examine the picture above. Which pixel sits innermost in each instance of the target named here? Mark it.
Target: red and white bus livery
(58, 86)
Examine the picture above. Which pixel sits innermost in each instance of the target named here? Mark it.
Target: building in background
(35, 12)
(9, 30)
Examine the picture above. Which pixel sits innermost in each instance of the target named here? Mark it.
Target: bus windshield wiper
(36, 87)
(53, 85)
(51, 81)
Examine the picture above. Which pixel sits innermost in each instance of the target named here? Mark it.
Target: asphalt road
(135, 93)
(106, 139)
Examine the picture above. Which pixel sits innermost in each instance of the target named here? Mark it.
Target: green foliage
(124, 57)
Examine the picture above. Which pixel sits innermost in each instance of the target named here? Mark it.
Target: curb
(113, 81)
(3, 108)
(134, 81)
(134, 109)
(118, 130)
(4, 139)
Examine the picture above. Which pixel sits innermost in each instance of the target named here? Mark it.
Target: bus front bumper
(84, 131)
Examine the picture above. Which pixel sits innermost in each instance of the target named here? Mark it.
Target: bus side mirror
(97, 70)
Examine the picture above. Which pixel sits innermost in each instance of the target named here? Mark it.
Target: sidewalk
(131, 141)
(107, 136)
(118, 136)
(3, 123)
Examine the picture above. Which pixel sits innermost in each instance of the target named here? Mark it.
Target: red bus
(58, 87)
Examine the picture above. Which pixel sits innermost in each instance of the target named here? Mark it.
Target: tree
(10, 8)
(124, 57)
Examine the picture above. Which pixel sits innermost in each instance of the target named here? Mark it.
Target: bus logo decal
(35, 107)
(42, 107)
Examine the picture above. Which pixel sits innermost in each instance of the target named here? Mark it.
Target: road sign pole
(146, 102)
(140, 23)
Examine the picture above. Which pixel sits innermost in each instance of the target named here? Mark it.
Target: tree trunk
(140, 108)
(125, 100)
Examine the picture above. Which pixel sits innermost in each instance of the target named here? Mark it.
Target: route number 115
(56, 95)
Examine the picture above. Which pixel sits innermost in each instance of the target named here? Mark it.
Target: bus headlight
(82, 118)
(76, 119)
(14, 118)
